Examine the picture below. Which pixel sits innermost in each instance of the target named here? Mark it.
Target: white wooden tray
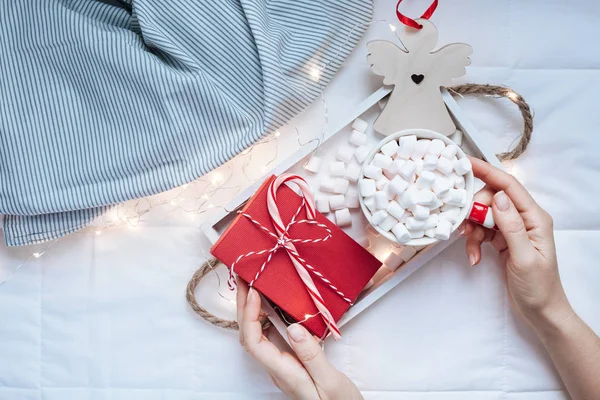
(337, 135)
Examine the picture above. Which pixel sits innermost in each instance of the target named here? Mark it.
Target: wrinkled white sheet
(105, 317)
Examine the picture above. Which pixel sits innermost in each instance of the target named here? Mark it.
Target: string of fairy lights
(200, 196)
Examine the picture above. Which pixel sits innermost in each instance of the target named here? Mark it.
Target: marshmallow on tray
(342, 217)
(322, 204)
(357, 138)
(337, 202)
(407, 253)
(341, 186)
(345, 154)
(360, 125)
(337, 168)
(313, 164)
(327, 185)
(415, 188)
(361, 153)
(352, 172)
(352, 200)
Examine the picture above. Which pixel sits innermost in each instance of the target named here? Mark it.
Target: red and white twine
(284, 241)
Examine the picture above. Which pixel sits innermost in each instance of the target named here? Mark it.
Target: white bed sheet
(105, 317)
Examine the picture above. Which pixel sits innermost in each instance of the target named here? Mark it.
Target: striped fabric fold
(106, 101)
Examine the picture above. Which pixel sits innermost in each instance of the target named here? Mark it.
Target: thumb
(311, 355)
(511, 224)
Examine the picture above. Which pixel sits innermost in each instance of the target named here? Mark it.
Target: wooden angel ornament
(417, 75)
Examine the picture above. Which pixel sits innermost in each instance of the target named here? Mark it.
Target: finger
(511, 224)
(499, 243)
(311, 355)
(501, 180)
(467, 228)
(473, 245)
(484, 196)
(241, 294)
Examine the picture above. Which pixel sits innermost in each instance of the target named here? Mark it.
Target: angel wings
(417, 75)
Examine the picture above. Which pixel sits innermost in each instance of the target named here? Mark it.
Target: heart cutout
(417, 78)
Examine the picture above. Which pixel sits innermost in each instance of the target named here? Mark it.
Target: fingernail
(250, 292)
(296, 333)
(462, 228)
(472, 259)
(501, 200)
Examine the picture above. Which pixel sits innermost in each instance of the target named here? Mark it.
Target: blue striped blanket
(106, 101)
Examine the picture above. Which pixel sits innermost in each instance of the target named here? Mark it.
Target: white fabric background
(104, 317)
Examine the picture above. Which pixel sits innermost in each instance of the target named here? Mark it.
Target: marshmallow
(360, 125)
(425, 180)
(430, 233)
(459, 182)
(432, 221)
(389, 192)
(378, 217)
(404, 217)
(352, 172)
(313, 164)
(436, 147)
(322, 204)
(450, 214)
(415, 224)
(443, 230)
(456, 197)
(337, 168)
(393, 261)
(381, 200)
(407, 199)
(327, 185)
(390, 148)
(342, 217)
(407, 170)
(463, 166)
(367, 187)
(426, 198)
(441, 186)
(395, 209)
(420, 212)
(381, 160)
(406, 147)
(430, 162)
(407, 253)
(398, 185)
(381, 183)
(449, 152)
(361, 153)
(373, 172)
(417, 234)
(364, 242)
(391, 170)
(337, 202)
(370, 204)
(345, 154)
(401, 233)
(457, 137)
(357, 138)
(418, 166)
(445, 166)
(341, 186)
(438, 204)
(352, 200)
(420, 149)
(388, 223)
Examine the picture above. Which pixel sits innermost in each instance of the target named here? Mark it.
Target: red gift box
(339, 259)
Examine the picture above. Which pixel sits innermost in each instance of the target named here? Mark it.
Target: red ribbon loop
(411, 22)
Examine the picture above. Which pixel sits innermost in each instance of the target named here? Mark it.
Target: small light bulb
(98, 232)
(512, 95)
(277, 134)
(173, 203)
(210, 205)
(37, 255)
(393, 28)
(205, 196)
(264, 169)
(307, 316)
(216, 179)
(185, 186)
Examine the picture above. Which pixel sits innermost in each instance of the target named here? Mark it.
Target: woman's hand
(308, 375)
(525, 241)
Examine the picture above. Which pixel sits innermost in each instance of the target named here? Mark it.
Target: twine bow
(284, 241)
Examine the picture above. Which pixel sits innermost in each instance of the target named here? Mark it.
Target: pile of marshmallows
(415, 188)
